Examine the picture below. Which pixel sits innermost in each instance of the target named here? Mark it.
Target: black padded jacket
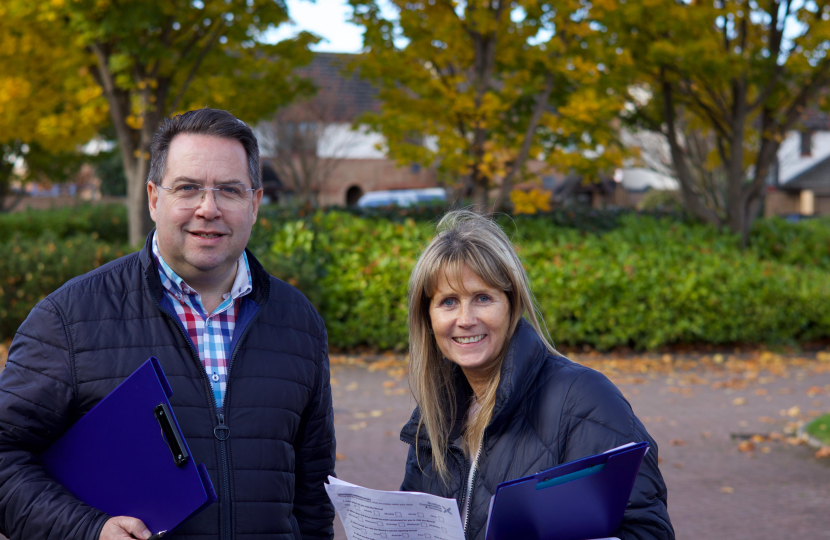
(81, 341)
(548, 411)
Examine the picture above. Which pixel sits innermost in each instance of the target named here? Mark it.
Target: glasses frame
(203, 190)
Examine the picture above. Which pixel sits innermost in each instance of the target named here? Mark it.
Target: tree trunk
(479, 193)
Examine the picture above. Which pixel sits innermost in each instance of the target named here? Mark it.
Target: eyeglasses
(228, 196)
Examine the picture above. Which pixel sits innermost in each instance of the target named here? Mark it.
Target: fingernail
(146, 534)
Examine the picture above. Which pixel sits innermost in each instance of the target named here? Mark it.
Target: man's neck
(212, 291)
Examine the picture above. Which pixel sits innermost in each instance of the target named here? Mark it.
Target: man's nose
(208, 208)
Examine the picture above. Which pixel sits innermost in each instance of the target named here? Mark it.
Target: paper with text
(369, 514)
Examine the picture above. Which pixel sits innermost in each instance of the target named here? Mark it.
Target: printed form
(369, 514)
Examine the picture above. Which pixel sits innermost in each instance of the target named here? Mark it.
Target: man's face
(202, 240)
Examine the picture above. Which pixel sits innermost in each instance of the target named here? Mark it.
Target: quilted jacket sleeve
(314, 455)
(36, 393)
(597, 418)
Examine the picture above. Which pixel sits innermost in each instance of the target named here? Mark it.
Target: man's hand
(124, 528)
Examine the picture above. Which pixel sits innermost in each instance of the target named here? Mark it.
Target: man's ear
(152, 198)
(257, 199)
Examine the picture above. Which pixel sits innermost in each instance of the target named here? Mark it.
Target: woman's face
(469, 320)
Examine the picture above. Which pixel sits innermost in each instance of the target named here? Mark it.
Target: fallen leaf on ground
(761, 392)
(767, 420)
(739, 401)
(356, 427)
(360, 415)
(775, 436)
(815, 390)
(677, 465)
(746, 446)
(795, 441)
(792, 412)
(766, 449)
(334, 382)
(706, 434)
(376, 413)
(758, 438)
(351, 386)
(677, 442)
(783, 391)
(823, 452)
(727, 489)
(389, 384)
(340, 457)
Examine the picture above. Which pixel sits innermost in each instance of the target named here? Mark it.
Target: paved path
(699, 411)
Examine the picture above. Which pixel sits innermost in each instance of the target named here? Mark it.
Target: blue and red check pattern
(210, 333)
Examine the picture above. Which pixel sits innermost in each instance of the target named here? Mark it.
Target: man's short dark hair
(213, 122)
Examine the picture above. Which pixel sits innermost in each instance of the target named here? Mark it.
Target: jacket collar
(260, 279)
(522, 362)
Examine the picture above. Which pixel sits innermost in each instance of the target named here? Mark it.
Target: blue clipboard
(579, 500)
(127, 456)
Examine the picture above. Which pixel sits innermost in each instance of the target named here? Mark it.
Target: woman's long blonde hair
(463, 238)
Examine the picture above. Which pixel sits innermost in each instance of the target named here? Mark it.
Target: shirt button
(215, 377)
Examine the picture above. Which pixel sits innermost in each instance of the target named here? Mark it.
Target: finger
(134, 526)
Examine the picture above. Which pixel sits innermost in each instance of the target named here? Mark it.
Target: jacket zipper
(223, 443)
(220, 417)
(469, 490)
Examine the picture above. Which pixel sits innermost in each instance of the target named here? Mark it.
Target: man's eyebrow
(186, 180)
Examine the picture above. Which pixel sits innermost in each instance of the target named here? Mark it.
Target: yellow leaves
(727, 489)
(530, 202)
(135, 122)
(739, 401)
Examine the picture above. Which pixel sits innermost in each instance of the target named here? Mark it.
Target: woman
(495, 400)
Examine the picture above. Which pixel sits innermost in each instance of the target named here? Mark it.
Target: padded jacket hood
(268, 450)
(548, 411)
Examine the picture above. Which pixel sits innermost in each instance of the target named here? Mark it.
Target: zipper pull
(222, 432)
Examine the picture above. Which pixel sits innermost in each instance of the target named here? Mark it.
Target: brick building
(310, 150)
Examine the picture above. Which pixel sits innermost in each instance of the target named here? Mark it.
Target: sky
(326, 18)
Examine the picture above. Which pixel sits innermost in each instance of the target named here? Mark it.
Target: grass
(820, 429)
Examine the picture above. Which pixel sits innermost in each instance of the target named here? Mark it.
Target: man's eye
(187, 188)
(230, 190)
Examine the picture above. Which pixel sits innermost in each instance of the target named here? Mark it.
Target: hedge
(648, 283)
(627, 280)
(32, 268)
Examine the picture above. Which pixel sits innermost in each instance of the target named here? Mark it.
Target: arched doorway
(353, 194)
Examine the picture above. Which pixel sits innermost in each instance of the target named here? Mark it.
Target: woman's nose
(466, 316)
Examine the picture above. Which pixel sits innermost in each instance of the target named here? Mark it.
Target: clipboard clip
(170, 434)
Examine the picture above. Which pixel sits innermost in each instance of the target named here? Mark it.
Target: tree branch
(195, 68)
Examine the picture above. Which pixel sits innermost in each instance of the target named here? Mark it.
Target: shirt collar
(242, 283)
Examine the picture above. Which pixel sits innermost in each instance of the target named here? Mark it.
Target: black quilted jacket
(548, 411)
(81, 341)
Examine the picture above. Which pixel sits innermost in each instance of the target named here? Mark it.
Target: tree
(152, 59)
(723, 81)
(479, 87)
(49, 103)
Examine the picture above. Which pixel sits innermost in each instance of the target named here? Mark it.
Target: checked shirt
(210, 333)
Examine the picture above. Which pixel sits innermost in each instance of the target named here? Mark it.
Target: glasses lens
(228, 197)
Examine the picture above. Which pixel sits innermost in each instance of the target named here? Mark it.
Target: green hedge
(32, 268)
(602, 278)
(108, 223)
(645, 284)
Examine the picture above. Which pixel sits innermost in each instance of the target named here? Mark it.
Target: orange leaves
(823, 452)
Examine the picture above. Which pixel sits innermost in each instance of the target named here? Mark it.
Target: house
(310, 150)
(799, 183)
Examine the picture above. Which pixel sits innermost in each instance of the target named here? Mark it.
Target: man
(245, 354)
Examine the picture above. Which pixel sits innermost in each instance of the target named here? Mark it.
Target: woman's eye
(449, 302)
(484, 298)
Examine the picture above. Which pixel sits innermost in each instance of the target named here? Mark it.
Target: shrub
(804, 243)
(30, 269)
(646, 284)
(108, 222)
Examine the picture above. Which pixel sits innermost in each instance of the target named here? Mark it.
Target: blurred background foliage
(602, 278)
